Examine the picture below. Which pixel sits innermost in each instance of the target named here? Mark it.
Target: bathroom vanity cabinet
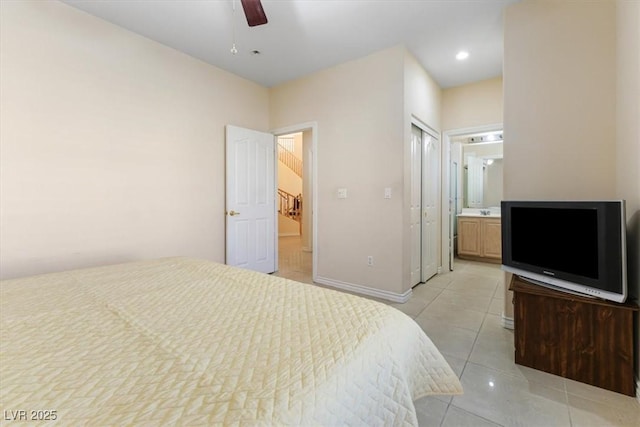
(480, 238)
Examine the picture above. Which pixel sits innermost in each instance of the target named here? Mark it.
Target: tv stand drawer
(585, 339)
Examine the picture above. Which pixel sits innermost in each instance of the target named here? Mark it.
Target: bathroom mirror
(481, 174)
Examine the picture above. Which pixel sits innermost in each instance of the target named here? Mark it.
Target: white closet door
(430, 206)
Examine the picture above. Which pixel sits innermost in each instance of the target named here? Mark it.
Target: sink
(489, 212)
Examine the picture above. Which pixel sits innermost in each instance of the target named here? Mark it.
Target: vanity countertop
(480, 213)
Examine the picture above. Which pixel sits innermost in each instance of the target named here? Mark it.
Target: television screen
(573, 232)
(577, 246)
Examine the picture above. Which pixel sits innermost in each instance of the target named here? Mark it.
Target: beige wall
(358, 108)
(628, 126)
(628, 137)
(287, 227)
(559, 89)
(422, 96)
(112, 145)
(472, 105)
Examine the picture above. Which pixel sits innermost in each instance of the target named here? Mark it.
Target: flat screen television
(574, 246)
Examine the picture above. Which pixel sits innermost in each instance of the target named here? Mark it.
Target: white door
(250, 199)
(416, 205)
(430, 228)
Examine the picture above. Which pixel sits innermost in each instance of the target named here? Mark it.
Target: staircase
(286, 156)
(290, 205)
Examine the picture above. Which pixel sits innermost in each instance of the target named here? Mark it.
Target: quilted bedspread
(181, 341)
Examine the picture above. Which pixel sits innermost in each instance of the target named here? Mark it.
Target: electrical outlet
(369, 260)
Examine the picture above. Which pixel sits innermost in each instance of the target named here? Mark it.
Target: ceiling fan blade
(254, 12)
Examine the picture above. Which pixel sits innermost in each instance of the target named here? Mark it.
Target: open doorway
(473, 178)
(294, 251)
(295, 203)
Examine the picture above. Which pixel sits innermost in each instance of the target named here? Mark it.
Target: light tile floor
(461, 312)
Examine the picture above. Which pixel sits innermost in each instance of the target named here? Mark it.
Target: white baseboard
(365, 290)
(507, 322)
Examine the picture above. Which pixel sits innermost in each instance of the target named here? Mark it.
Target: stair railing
(290, 206)
(290, 160)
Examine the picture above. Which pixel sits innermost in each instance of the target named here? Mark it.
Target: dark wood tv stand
(585, 339)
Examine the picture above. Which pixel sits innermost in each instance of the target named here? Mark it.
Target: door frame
(301, 127)
(447, 229)
(416, 243)
(425, 128)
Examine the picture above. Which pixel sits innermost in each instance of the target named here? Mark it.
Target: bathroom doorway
(472, 176)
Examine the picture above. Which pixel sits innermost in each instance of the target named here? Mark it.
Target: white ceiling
(304, 36)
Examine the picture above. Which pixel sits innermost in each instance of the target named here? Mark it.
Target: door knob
(233, 213)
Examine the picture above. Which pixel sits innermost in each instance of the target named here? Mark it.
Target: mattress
(182, 341)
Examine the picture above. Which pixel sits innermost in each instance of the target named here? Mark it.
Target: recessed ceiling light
(462, 55)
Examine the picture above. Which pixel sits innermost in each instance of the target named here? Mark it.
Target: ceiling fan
(254, 12)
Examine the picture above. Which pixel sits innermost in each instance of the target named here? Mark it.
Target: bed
(182, 341)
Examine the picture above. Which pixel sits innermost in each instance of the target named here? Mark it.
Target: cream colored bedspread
(191, 342)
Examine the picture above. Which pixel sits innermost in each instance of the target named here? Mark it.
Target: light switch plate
(387, 193)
